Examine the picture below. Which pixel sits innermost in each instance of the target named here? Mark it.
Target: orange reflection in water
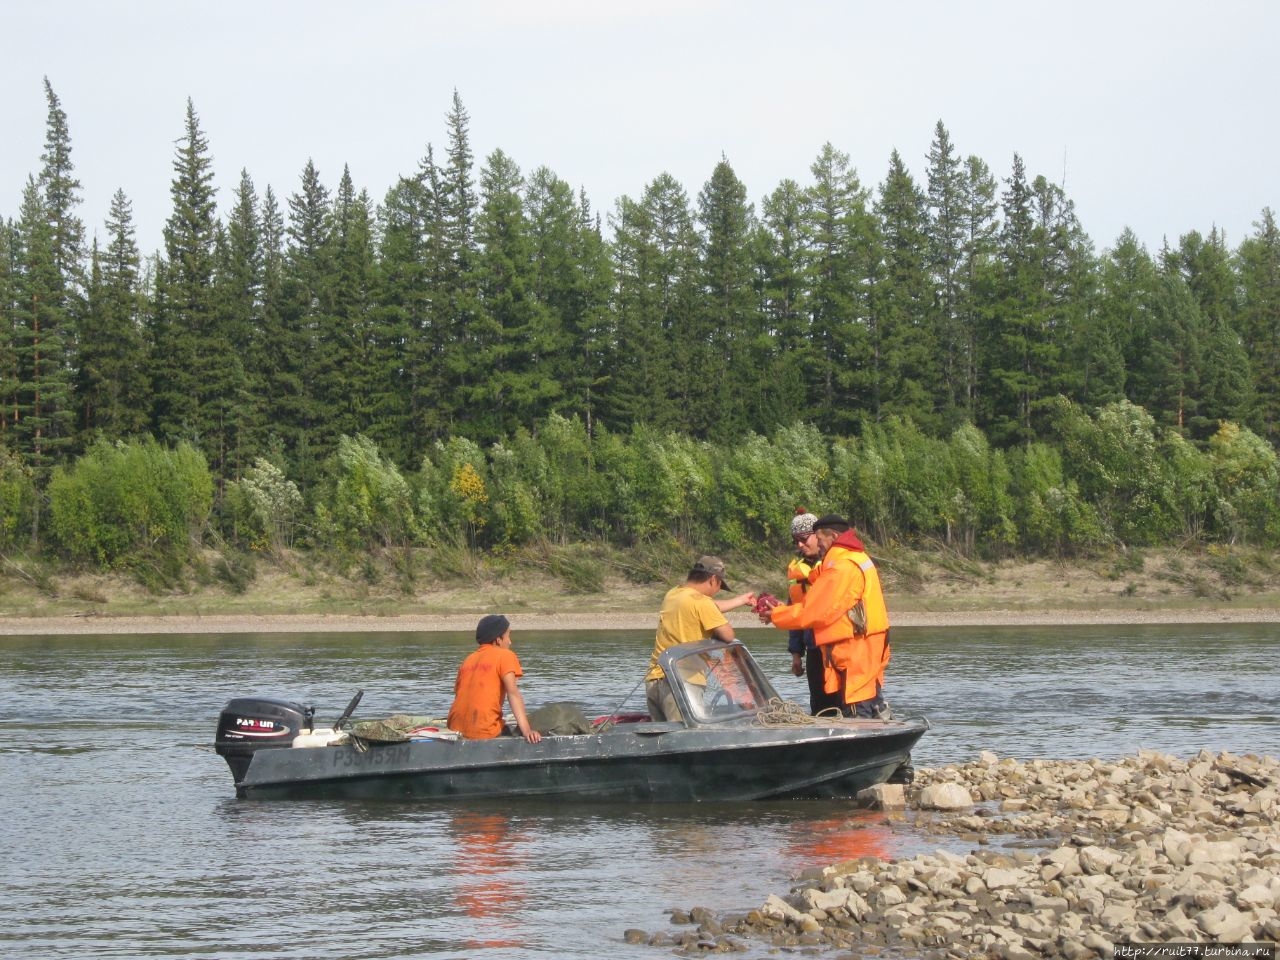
(824, 841)
(486, 863)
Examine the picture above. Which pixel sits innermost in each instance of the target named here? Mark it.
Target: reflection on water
(848, 836)
(489, 866)
(123, 838)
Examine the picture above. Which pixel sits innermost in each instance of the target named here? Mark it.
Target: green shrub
(132, 504)
(17, 499)
(266, 505)
(367, 502)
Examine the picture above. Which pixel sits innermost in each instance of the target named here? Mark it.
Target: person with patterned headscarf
(806, 660)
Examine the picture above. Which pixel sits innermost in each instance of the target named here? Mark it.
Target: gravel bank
(1073, 858)
(315, 623)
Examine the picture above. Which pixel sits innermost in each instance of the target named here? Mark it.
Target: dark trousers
(819, 699)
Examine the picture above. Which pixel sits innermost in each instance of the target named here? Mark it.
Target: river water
(122, 836)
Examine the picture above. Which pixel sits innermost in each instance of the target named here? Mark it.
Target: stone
(1098, 859)
(1256, 895)
(1068, 858)
(1176, 846)
(1098, 943)
(1225, 923)
(996, 878)
(945, 796)
(1214, 851)
(883, 796)
(1014, 951)
(828, 902)
(888, 896)
(778, 909)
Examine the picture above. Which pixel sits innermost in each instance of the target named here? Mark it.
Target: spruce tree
(1043, 255)
(60, 191)
(655, 255)
(720, 346)
(572, 279)
(839, 236)
(456, 307)
(519, 339)
(1258, 267)
(1069, 271)
(778, 247)
(1225, 385)
(307, 311)
(1116, 328)
(1168, 380)
(9, 266)
(183, 350)
(350, 392)
(905, 367)
(44, 415)
(273, 381)
(401, 400)
(977, 293)
(113, 386)
(240, 309)
(945, 257)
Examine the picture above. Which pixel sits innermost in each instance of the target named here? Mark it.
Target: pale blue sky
(1155, 115)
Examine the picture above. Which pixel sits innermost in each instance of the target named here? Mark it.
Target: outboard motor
(248, 724)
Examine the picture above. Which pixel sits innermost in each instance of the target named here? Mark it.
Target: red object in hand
(764, 603)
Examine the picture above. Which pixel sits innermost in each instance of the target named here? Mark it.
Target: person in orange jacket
(845, 608)
(806, 659)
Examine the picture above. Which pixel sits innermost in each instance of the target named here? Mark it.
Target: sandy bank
(595, 620)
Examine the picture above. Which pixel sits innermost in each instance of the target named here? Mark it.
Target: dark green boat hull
(633, 762)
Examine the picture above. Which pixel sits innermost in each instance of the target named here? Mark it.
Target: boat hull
(640, 762)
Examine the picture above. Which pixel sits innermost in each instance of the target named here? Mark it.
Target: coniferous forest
(481, 357)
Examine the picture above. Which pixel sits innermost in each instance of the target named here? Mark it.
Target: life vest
(872, 600)
(800, 572)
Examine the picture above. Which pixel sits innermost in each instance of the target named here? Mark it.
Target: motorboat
(736, 739)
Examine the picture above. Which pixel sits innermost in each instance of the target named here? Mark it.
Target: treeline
(475, 311)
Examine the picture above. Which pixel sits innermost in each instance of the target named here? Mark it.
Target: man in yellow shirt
(689, 613)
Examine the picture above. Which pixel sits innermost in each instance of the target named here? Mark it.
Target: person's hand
(533, 736)
(748, 599)
(797, 667)
(763, 607)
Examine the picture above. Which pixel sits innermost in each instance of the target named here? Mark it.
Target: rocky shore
(1072, 858)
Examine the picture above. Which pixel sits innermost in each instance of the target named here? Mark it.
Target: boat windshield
(719, 682)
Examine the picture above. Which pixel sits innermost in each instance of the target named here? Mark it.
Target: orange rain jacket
(847, 576)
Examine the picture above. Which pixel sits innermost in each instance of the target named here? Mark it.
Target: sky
(1153, 115)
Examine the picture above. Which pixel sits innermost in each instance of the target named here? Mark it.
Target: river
(123, 838)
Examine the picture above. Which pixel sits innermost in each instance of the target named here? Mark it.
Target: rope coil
(783, 713)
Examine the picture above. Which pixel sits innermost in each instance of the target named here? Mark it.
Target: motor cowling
(249, 724)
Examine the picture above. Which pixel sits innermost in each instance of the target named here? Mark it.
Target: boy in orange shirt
(485, 678)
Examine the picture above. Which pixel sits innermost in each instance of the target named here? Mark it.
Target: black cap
(491, 627)
(831, 522)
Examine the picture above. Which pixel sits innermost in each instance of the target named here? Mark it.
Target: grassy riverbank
(595, 587)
